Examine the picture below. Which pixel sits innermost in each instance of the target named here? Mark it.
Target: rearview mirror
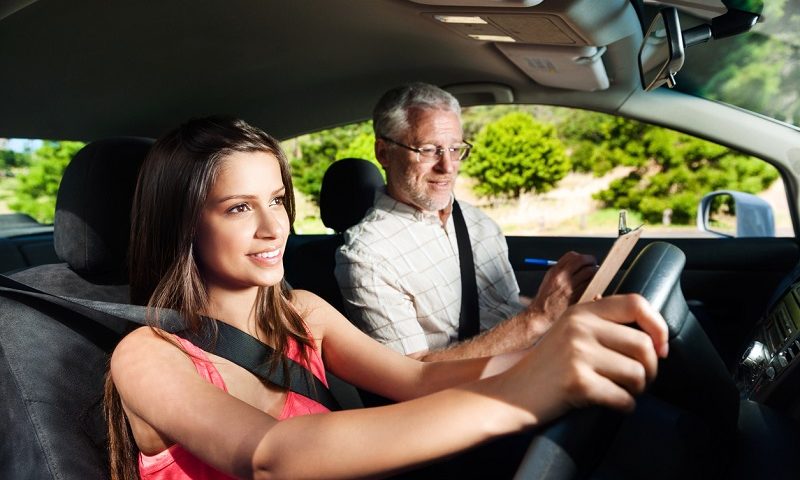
(661, 53)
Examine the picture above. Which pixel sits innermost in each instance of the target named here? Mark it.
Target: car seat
(26, 243)
(347, 193)
(52, 360)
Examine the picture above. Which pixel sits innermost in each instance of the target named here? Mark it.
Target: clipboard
(611, 264)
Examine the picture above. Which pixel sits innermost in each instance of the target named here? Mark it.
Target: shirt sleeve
(376, 302)
(497, 283)
(501, 295)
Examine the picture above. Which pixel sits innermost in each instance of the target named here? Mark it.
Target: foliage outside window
(516, 154)
(536, 170)
(311, 155)
(671, 171)
(758, 70)
(30, 179)
(556, 171)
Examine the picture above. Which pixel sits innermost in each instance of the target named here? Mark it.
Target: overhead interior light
(493, 38)
(460, 19)
(483, 3)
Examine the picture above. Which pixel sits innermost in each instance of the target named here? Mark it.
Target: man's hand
(561, 287)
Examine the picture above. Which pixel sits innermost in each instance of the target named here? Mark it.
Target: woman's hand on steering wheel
(589, 356)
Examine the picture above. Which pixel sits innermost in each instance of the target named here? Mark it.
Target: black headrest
(347, 192)
(92, 221)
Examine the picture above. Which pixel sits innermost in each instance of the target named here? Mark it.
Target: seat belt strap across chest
(230, 343)
(469, 318)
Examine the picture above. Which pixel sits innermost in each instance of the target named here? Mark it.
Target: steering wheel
(574, 445)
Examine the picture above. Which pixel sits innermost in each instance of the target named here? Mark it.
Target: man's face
(427, 186)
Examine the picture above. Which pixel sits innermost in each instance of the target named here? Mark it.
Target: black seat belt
(469, 318)
(231, 343)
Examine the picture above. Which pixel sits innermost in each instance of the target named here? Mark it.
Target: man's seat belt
(469, 318)
(231, 343)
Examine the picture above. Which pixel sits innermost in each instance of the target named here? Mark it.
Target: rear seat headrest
(92, 220)
(347, 192)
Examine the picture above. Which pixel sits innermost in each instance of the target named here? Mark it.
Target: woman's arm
(164, 396)
(358, 359)
(583, 359)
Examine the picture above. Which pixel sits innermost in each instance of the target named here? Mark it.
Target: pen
(540, 261)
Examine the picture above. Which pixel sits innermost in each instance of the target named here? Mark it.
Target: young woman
(212, 213)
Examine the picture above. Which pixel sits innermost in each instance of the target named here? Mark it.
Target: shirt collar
(384, 202)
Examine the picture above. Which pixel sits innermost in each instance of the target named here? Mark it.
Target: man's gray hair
(390, 117)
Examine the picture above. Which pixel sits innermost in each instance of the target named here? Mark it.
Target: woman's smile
(267, 258)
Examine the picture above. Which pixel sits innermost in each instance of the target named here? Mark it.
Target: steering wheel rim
(572, 446)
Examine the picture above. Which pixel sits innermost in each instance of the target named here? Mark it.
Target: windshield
(758, 70)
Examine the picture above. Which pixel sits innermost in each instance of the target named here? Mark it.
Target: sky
(23, 144)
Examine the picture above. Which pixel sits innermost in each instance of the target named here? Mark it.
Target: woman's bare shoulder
(315, 311)
(306, 299)
(142, 337)
(145, 348)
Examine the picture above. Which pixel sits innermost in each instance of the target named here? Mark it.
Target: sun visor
(568, 67)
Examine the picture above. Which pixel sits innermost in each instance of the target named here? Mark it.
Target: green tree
(598, 142)
(680, 169)
(473, 119)
(516, 154)
(312, 154)
(758, 70)
(35, 191)
(10, 159)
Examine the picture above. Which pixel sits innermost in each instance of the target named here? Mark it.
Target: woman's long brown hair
(173, 185)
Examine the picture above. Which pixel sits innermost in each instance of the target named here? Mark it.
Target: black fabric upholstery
(309, 266)
(347, 192)
(59, 279)
(53, 361)
(10, 256)
(92, 220)
(27, 243)
(52, 366)
(38, 253)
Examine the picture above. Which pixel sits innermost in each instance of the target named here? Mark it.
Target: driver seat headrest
(92, 220)
(347, 192)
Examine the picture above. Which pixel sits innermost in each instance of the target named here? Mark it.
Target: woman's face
(243, 227)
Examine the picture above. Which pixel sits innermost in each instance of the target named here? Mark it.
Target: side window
(311, 154)
(30, 172)
(556, 171)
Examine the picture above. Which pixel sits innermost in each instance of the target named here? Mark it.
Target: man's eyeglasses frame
(430, 155)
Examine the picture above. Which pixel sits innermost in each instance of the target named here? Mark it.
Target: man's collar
(385, 202)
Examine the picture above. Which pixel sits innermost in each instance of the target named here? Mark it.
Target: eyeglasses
(432, 153)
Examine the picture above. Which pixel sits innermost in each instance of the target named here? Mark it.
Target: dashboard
(769, 365)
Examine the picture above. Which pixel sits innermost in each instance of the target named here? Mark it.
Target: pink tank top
(175, 463)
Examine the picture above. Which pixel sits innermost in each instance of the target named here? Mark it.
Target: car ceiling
(97, 68)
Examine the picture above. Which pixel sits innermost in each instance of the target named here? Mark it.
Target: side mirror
(729, 213)
(662, 52)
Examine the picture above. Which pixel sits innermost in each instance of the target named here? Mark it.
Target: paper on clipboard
(610, 266)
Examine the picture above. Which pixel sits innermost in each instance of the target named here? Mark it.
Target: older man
(398, 270)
